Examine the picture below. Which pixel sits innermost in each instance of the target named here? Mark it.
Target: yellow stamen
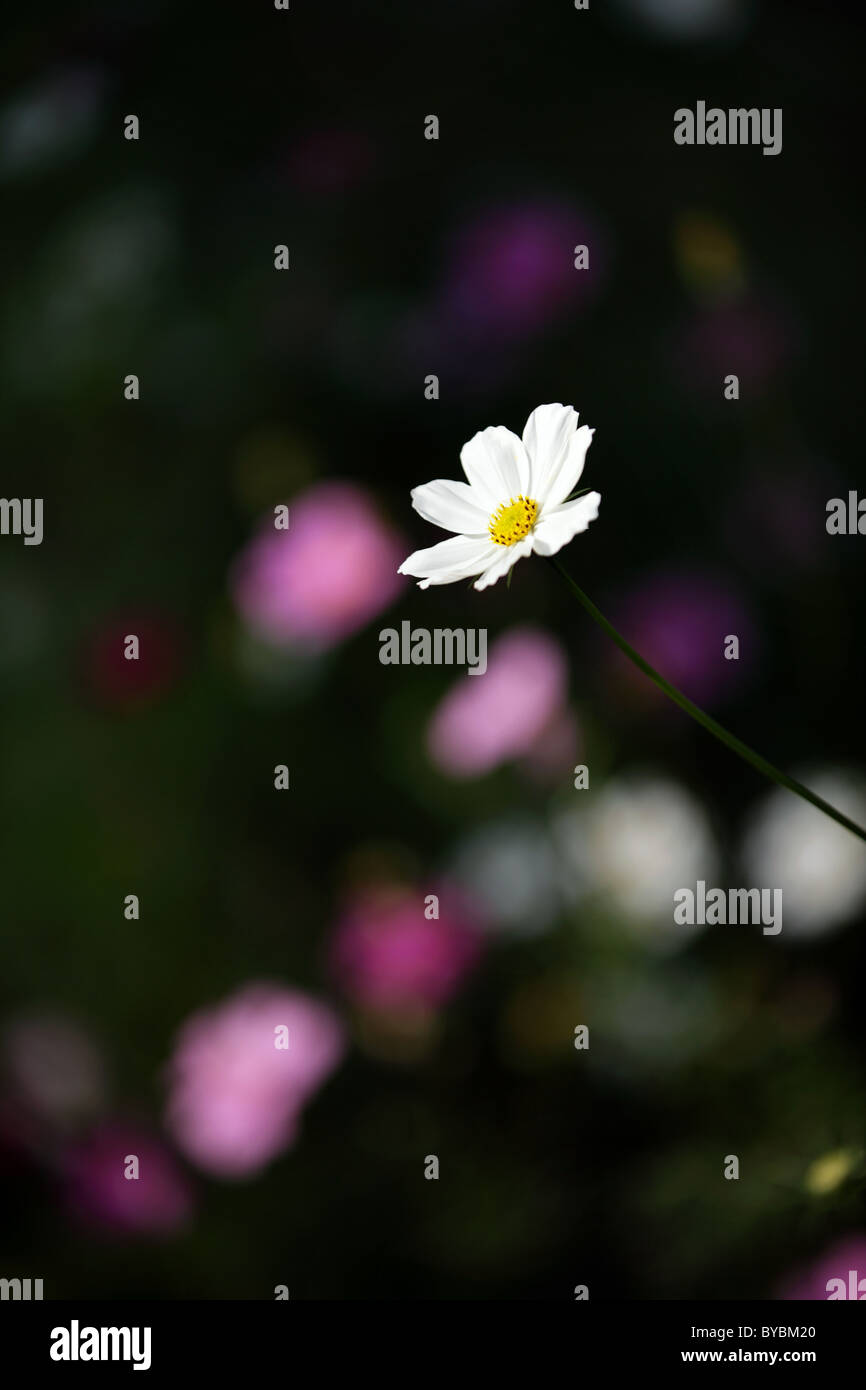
(513, 520)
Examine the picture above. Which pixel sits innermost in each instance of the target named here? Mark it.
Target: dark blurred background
(413, 1036)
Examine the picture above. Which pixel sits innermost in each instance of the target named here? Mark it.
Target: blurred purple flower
(836, 1262)
(236, 1097)
(157, 1202)
(324, 578)
(508, 276)
(484, 720)
(679, 623)
(388, 955)
(511, 268)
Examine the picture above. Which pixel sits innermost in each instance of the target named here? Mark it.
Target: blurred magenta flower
(328, 575)
(157, 1202)
(235, 1095)
(388, 955)
(837, 1262)
(484, 720)
(679, 623)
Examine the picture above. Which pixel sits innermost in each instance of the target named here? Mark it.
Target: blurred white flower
(640, 839)
(50, 122)
(819, 866)
(690, 20)
(54, 1065)
(509, 866)
(97, 277)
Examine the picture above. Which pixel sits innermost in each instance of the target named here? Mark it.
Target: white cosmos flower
(645, 837)
(514, 502)
(819, 866)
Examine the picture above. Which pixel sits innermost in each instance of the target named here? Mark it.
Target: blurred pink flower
(552, 755)
(157, 1202)
(484, 720)
(236, 1097)
(836, 1262)
(324, 578)
(388, 955)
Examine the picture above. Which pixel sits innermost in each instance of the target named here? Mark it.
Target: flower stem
(711, 725)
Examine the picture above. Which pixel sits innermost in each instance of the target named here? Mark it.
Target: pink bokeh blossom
(388, 955)
(836, 1262)
(98, 1192)
(486, 719)
(235, 1096)
(325, 577)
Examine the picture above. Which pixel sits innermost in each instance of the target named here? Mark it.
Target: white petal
(502, 563)
(561, 524)
(457, 558)
(497, 466)
(451, 505)
(546, 437)
(568, 476)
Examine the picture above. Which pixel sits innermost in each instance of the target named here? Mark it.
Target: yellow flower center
(513, 520)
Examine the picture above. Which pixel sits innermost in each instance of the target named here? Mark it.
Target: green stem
(711, 725)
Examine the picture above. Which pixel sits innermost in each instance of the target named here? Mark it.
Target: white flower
(513, 503)
(819, 866)
(645, 837)
(510, 867)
